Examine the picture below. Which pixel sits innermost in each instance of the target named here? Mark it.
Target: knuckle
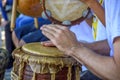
(65, 28)
(60, 31)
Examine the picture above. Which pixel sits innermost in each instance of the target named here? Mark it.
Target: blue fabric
(29, 33)
(4, 13)
(24, 20)
(9, 2)
(35, 36)
(87, 75)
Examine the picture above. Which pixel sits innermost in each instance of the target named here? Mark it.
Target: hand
(4, 3)
(47, 43)
(3, 23)
(60, 36)
(21, 43)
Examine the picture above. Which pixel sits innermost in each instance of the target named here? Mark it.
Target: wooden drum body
(36, 62)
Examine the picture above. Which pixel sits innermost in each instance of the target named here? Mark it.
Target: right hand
(61, 37)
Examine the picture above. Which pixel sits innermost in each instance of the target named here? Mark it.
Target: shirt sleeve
(115, 20)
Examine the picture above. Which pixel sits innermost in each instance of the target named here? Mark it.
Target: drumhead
(38, 49)
(30, 7)
(65, 12)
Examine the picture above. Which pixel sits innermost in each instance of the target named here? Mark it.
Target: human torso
(112, 13)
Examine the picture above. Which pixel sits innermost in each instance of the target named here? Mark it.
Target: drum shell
(61, 75)
(28, 73)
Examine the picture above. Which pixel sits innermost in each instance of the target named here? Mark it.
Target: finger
(48, 28)
(54, 27)
(60, 27)
(48, 34)
(51, 29)
(48, 44)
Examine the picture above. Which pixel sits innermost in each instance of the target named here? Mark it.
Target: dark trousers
(9, 44)
(87, 75)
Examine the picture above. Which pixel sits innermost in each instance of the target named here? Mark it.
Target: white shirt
(83, 33)
(112, 16)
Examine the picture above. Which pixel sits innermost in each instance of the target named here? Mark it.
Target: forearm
(98, 9)
(100, 47)
(102, 66)
(89, 21)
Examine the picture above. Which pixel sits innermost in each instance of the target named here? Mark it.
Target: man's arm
(97, 8)
(117, 52)
(105, 67)
(100, 47)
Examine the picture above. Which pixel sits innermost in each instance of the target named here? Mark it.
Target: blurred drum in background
(65, 12)
(31, 8)
(36, 62)
(4, 59)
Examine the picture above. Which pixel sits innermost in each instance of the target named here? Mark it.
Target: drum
(65, 12)
(36, 62)
(30, 7)
(4, 58)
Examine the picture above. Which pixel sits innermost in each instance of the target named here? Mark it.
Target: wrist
(74, 49)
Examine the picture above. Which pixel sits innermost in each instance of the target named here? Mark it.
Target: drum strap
(95, 22)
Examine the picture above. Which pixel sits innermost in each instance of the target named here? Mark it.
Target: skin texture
(66, 41)
(105, 67)
(17, 43)
(100, 47)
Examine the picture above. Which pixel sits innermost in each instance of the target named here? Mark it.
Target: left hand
(60, 36)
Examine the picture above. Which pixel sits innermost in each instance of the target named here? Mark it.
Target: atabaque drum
(65, 12)
(30, 7)
(36, 62)
(4, 59)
